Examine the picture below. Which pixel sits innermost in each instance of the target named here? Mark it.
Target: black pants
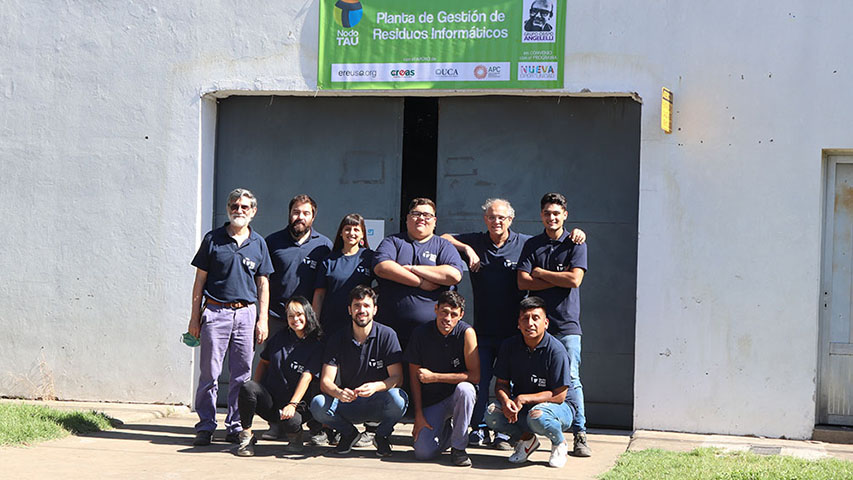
(255, 398)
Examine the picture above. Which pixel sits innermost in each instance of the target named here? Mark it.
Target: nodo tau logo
(348, 13)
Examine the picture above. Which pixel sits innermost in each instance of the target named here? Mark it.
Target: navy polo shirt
(289, 358)
(368, 362)
(563, 304)
(495, 285)
(546, 367)
(231, 269)
(295, 266)
(339, 274)
(441, 354)
(403, 307)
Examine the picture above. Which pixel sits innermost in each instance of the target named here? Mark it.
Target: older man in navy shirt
(532, 380)
(232, 266)
(414, 267)
(367, 357)
(553, 266)
(297, 251)
(492, 259)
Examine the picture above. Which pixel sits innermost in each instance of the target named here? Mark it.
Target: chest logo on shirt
(249, 263)
(539, 382)
(560, 267)
(362, 270)
(429, 256)
(374, 363)
(312, 264)
(296, 367)
(456, 362)
(509, 264)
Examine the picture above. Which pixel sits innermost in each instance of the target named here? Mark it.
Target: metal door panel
(836, 379)
(588, 149)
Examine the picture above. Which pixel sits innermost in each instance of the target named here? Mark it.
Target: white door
(835, 405)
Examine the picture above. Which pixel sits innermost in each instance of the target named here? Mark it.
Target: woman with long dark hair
(350, 264)
(285, 377)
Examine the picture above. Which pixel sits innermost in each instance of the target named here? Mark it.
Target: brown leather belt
(234, 305)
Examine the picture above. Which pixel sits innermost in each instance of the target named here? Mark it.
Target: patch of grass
(715, 464)
(24, 424)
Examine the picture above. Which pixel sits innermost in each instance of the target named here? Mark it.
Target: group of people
(345, 352)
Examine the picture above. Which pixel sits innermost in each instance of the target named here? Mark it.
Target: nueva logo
(348, 13)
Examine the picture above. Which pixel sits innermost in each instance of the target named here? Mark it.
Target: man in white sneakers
(532, 373)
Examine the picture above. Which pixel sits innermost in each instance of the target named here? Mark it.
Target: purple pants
(223, 329)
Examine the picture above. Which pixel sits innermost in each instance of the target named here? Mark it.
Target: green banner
(441, 44)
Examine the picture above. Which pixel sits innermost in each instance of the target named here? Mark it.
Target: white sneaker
(523, 449)
(559, 452)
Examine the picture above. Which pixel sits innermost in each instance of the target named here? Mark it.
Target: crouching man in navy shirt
(368, 357)
(532, 373)
(444, 366)
(232, 270)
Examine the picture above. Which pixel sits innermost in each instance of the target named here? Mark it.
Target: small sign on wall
(666, 110)
(375, 232)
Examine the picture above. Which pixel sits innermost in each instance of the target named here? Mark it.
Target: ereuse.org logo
(348, 13)
(537, 71)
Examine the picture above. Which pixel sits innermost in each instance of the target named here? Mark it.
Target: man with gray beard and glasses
(232, 270)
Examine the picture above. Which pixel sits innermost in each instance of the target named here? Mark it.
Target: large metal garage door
(588, 149)
(344, 152)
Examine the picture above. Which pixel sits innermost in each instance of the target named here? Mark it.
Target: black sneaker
(383, 446)
(274, 432)
(346, 442)
(233, 437)
(459, 457)
(581, 448)
(501, 442)
(202, 438)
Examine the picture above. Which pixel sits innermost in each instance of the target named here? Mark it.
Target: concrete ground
(155, 441)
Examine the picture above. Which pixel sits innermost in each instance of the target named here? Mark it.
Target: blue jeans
(223, 329)
(458, 407)
(575, 393)
(387, 408)
(488, 349)
(548, 419)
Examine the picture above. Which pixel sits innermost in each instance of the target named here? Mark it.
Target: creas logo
(348, 13)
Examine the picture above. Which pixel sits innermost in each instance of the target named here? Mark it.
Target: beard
(299, 228)
(239, 221)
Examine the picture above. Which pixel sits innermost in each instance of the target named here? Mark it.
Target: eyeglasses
(236, 206)
(540, 12)
(499, 218)
(425, 215)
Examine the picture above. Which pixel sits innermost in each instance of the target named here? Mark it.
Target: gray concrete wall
(105, 150)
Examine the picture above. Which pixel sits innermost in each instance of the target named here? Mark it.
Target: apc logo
(348, 13)
(402, 73)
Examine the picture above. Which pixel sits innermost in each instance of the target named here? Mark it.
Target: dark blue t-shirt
(368, 362)
(546, 367)
(289, 358)
(295, 267)
(564, 304)
(440, 354)
(231, 270)
(495, 285)
(339, 274)
(402, 307)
